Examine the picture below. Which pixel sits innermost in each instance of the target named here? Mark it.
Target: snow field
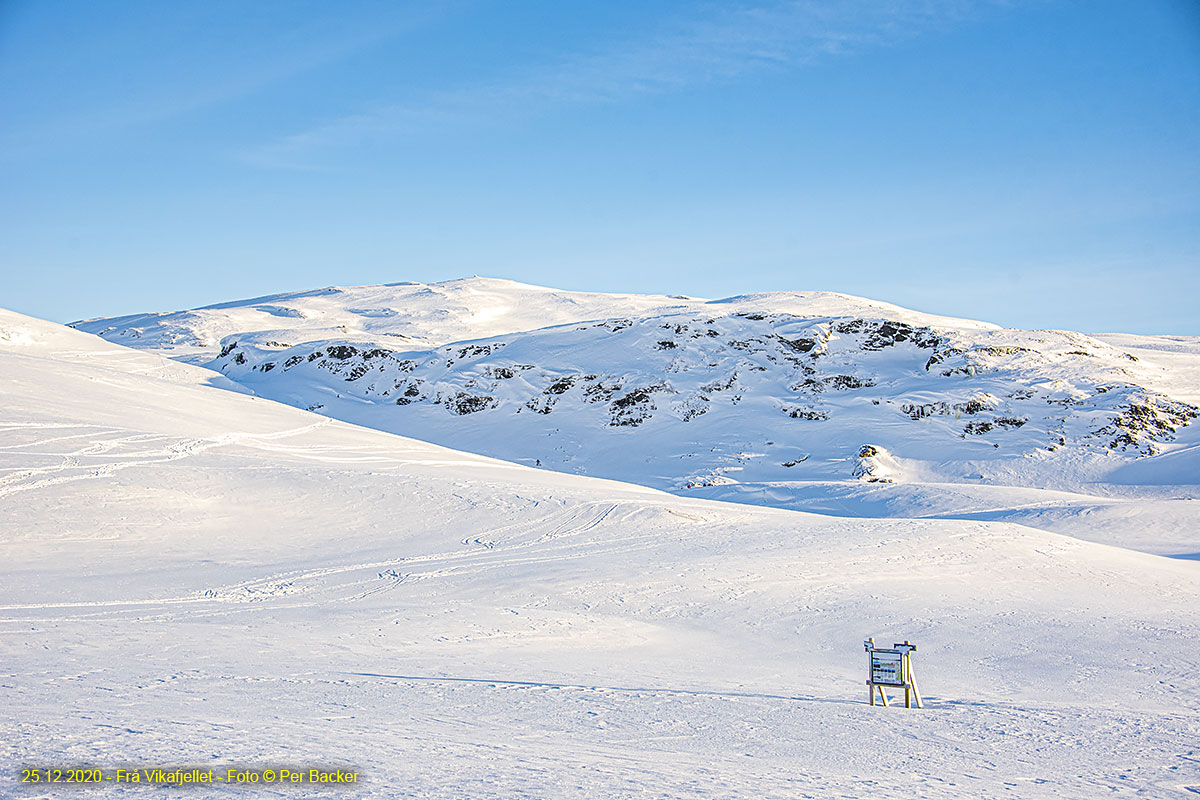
(193, 576)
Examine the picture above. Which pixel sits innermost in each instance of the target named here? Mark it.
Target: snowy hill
(194, 576)
(427, 315)
(813, 401)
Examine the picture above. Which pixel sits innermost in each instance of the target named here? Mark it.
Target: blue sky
(1035, 164)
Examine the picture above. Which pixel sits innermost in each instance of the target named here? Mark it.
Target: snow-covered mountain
(428, 315)
(199, 577)
(814, 401)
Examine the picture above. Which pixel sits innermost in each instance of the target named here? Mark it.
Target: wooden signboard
(891, 667)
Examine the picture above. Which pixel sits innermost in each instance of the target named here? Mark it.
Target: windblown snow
(199, 576)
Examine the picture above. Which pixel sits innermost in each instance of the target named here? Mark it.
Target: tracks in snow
(552, 538)
(109, 452)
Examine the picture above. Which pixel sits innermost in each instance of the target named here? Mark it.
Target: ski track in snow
(23, 480)
(382, 575)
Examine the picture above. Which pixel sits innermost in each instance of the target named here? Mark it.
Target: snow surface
(193, 576)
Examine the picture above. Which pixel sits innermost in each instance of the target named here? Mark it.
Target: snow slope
(193, 576)
(810, 401)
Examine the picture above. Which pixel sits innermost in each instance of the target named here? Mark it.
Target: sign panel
(887, 668)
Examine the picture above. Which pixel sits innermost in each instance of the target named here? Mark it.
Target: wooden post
(912, 678)
(870, 682)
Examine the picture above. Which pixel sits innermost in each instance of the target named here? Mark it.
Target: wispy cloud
(724, 45)
(183, 71)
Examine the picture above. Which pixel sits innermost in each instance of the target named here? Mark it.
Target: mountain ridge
(491, 306)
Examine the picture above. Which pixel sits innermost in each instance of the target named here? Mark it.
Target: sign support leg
(917, 692)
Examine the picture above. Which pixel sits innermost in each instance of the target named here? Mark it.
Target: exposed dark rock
(631, 399)
(941, 355)
(463, 403)
(973, 407)
(720, 386)
(474, 350)
(601, 392)
(799, 345)
(1146, 420)
(808, 385)
(806, 413)
(561, 385)
(887, 333)
(1002, 350)
(635, 407)
(844, 382)
(410, 395)
(542, 404)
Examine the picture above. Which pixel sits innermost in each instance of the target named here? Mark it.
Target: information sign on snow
(887, 668)
(891, 667)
